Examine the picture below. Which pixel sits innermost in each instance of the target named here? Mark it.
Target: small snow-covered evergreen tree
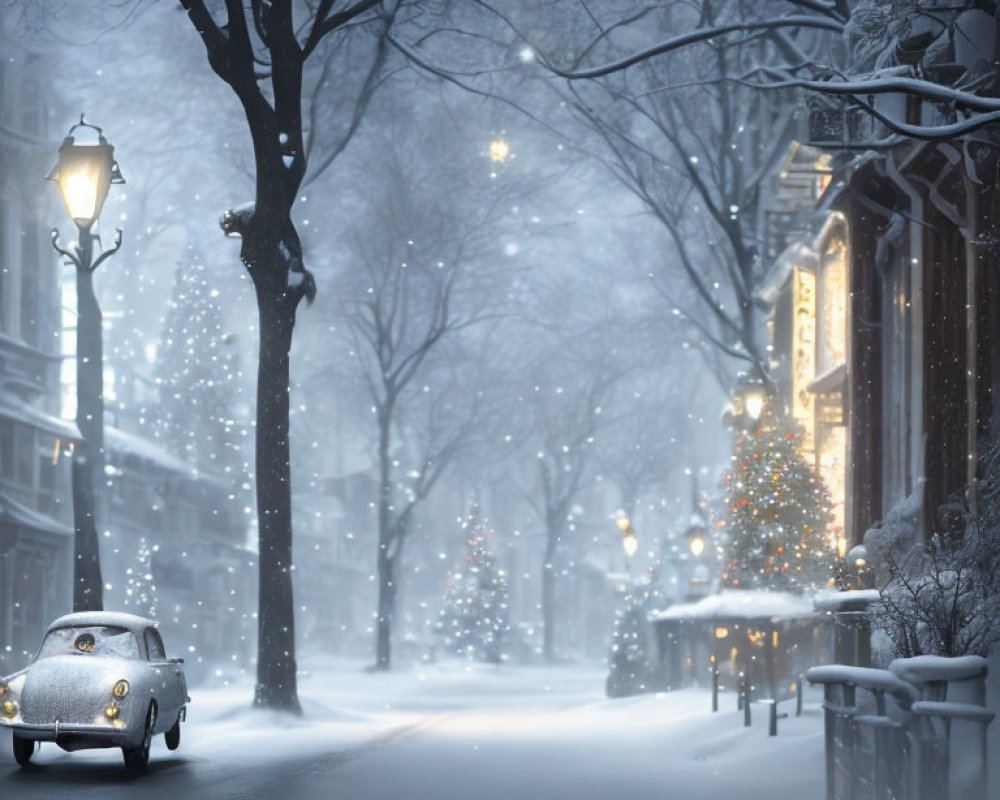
(779, 512)
(197, 374)
(140, 590)
(628, 663)
(473, 620)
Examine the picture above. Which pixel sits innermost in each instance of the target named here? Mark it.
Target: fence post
(772, 720)
(715, 686)
(739, 692)
(798, 695)
(746, 703)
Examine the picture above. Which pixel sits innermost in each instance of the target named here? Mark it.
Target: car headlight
(10, 696)
(120, 690)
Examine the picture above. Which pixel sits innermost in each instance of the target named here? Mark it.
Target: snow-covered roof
(743, 603)
(110, 619)
(119, 443)
(17, 514)
(19, 411)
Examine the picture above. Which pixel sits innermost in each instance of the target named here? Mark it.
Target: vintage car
(100, 679)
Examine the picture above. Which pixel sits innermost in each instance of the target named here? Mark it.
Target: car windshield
(90, 641)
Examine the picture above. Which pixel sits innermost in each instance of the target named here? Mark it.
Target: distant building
(174, 534)
(36, 532)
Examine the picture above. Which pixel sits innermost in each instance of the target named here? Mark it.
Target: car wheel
(136, 758)
(23, 750)
(172, 738)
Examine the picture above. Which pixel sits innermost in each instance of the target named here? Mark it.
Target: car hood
(71, 688)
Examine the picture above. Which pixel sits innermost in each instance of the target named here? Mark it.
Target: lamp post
(84, 173)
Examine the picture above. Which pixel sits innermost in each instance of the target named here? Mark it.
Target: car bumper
(72, 735)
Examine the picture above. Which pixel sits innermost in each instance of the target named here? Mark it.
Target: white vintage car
(100, 679)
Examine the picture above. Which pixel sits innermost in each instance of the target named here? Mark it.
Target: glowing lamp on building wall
(697, 546)
(84, 173)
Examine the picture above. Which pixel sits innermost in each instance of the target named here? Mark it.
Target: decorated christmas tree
(779, 513)
(473, 618)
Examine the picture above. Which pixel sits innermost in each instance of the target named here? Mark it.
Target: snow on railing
(916, 731)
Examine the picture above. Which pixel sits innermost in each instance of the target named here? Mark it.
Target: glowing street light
(630, 542)
(84, 173)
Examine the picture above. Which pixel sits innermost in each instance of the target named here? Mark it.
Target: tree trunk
(88, 454)
(549, 600)
(276, 679)
(386, 609)
(386, 565)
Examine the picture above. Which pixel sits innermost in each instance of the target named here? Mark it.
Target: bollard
(798, 695)
(772, 719)
(715, 687)
(746, 703)
(739, 692)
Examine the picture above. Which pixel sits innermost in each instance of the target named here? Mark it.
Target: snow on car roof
(109, 619)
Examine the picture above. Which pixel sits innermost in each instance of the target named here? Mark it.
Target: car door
(171, 690)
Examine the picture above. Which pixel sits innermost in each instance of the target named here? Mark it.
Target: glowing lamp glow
(754, 405)
(84, 173)
(624, 524)
(697, 546)
(630, 543)
(499, 150)
(749, 398)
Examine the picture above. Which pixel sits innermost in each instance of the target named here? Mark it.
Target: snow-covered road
(448, 731)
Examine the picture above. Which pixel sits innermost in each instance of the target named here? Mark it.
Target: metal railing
(890, 738)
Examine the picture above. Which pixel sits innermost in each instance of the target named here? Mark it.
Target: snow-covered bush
(943, 598)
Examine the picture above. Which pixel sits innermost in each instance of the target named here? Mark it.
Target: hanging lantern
(84, 173)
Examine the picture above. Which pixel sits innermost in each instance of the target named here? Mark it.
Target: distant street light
(84, 173)
(630, 542)
(499, 150)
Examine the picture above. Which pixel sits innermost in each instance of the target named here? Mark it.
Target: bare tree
(875, 50)
(429, 258)
(568, 405)
(261, 51)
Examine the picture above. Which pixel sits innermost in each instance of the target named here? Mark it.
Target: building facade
(36, 533)
(885, 316)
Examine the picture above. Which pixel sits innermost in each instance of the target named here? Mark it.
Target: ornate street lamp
(84, 173)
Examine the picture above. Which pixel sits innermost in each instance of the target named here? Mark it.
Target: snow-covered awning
(741, 604)
(14, 513)
(15, 409)
(120, 444)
